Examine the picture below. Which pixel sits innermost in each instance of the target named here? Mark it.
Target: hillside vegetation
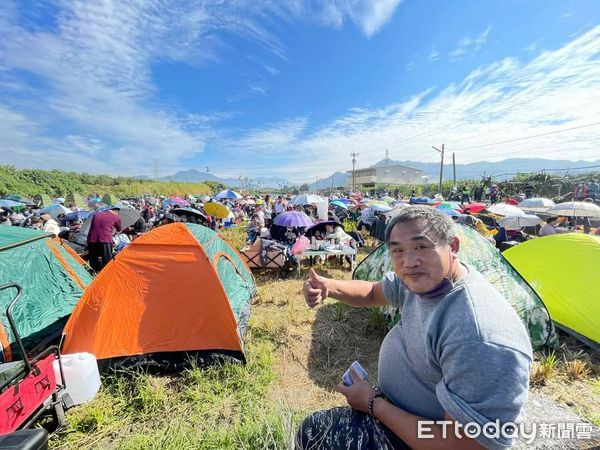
(30, 182)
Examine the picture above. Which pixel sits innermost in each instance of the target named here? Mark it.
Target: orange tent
(177, 292)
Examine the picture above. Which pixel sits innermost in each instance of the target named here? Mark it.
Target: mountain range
(431, 172)
(507, 167)
(197, 176)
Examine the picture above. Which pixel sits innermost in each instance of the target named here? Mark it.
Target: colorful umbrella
(474, 207)
(339, 204)
(293, 219)
(450, 205)
(449, 211)
(228, 194)
(387, 199)
(217, 210)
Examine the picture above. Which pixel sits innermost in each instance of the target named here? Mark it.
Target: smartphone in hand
(362, 373)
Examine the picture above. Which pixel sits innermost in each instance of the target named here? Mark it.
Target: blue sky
(291, 87)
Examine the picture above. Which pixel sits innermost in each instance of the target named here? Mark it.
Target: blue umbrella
(421, 201)
(228, 194)
(293, 219)
(77, 215)
(10, 204)
(450, 212)
(339, 204)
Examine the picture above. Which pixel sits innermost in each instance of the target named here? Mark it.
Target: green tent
(42, 200)
(53, 279)
(477, 251)
(564, 269)
(74, 199)
(109, 199)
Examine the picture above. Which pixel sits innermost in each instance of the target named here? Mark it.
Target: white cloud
(434, 55)
(469, 45)
(369, 15)
(506, 100)
(92, 67)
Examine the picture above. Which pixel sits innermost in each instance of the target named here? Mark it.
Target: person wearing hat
(100, 237)
(49, 225)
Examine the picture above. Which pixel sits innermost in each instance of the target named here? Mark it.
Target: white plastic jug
(82, 378)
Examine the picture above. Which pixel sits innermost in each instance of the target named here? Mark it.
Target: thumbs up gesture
(315, 289)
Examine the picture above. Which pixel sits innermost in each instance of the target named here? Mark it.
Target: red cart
(28, 388)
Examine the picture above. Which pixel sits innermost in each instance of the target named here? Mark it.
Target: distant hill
(336, 179)
(472, 170)
(197, 176)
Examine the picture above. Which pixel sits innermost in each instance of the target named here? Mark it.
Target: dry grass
(296, 358)
(570, 376)
(315, 346)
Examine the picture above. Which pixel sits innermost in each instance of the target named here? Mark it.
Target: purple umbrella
(293, 219)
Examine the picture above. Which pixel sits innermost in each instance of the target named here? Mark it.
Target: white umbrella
(536, 204)
(307, 199)
(575, 209)
(504, 209)
(518, 222)
(54, 210)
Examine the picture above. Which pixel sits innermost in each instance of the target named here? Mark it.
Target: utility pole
(454, 169)
(354, 155)
(155, 160)
(441, 165)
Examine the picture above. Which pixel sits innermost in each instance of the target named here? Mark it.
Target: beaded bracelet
(377, 394)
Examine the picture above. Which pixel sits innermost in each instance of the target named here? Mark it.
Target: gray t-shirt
(465, 352)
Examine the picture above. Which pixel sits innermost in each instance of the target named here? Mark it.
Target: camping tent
(178, 292)
(109, 199)
(42, 200)
(563, 269)
(53, 279)
(477, 251)
(73, 199)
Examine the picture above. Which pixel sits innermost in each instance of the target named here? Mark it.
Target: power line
(427, 135)
(528, 137)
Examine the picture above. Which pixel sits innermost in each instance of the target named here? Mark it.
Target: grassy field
(295, 358)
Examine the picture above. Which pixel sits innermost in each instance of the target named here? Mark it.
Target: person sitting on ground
(49, 225)
(552, 226)
(460, 354)
(36, 223)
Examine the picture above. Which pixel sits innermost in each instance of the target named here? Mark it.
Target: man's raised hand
(315, 289)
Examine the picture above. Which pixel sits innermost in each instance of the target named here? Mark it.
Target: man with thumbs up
(459, 358)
